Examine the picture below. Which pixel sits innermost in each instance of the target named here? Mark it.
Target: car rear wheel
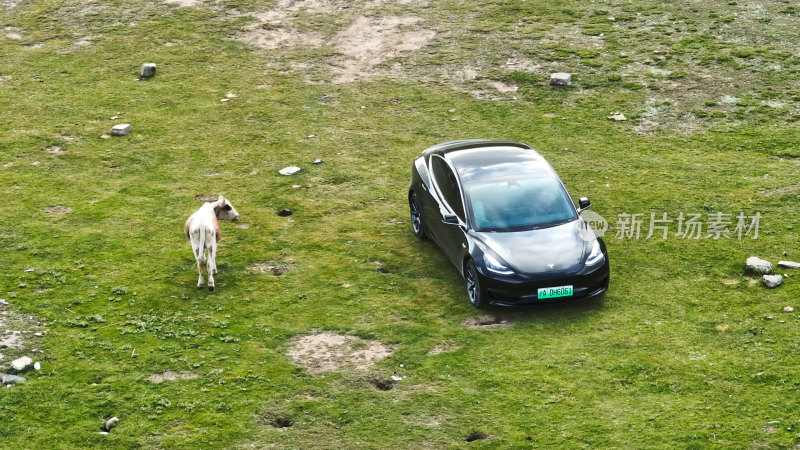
(416, 216)
(474, 291)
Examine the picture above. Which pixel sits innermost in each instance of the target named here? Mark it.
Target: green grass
(672, 357)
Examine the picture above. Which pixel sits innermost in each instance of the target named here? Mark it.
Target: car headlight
(596, 255)
(493, 265)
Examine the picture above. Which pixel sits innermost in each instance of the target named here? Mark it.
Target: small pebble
(291, 170)
(13, 379)
(112, 422)
(121, 129)
(788, 309)
(148, 70)
(317, 162)
(21, 363)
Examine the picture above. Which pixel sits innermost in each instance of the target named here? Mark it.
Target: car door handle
(424, 188)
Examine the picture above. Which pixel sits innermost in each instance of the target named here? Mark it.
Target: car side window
(447, 185)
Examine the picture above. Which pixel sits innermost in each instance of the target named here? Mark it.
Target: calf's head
(224, 210)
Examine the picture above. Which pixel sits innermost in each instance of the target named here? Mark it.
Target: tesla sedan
(501, 215)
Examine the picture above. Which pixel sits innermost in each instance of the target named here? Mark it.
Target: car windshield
(518, 204)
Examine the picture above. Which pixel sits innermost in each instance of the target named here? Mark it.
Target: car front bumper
(525, 293)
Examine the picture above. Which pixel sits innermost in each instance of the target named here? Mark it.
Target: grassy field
(684, 351)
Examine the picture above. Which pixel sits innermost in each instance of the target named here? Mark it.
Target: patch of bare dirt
(56, 150)
(171, 376)
(184, 3)
(486, 321)
(730, 281)
(781, 190)
(372, 41)
(502, 87)
(57, 210)
(276, 269)
(328, 100)
(329, 352)
(206, 197)
(366, 43)
(16, 334)
(270, 36)
(443, 348)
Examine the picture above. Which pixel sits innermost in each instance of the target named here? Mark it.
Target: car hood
(558, 249)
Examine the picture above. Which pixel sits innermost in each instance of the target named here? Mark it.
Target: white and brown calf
(202, 230)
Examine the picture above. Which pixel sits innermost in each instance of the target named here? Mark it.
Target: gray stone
(291, 170)
(317, 162)
(13, 379)
(789, 264)
(111, 423)
(788, 309)
(758, 265)
(560, 79)
(21, 364)
(3, 301)
(121, 129)
(772, 281)
(148, 70)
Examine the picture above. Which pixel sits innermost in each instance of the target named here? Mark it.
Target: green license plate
(553, 292)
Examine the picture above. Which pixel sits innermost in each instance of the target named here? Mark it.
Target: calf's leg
(211, 265)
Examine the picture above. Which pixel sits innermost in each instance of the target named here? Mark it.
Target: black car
(502, 216)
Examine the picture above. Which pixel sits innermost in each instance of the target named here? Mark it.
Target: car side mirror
(450, 219)
(583, 203)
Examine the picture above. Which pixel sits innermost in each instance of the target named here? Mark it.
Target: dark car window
(447, 185)
(510, 204)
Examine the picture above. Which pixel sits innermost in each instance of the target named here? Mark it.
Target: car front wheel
(416, 216)
(474, 291)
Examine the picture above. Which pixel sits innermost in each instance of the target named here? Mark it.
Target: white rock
(112, 422)
(37, 366)
(396, 378)
(757, 265)
(617, 116)
(789, 264)
(21, 364)
(148, 70)
(121, 129)
(12, 379)
(3, 301)
(291, 170)
(788, 309)
(560, 79)
(772, 281)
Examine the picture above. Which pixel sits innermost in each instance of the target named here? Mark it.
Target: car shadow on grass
(499, 315)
